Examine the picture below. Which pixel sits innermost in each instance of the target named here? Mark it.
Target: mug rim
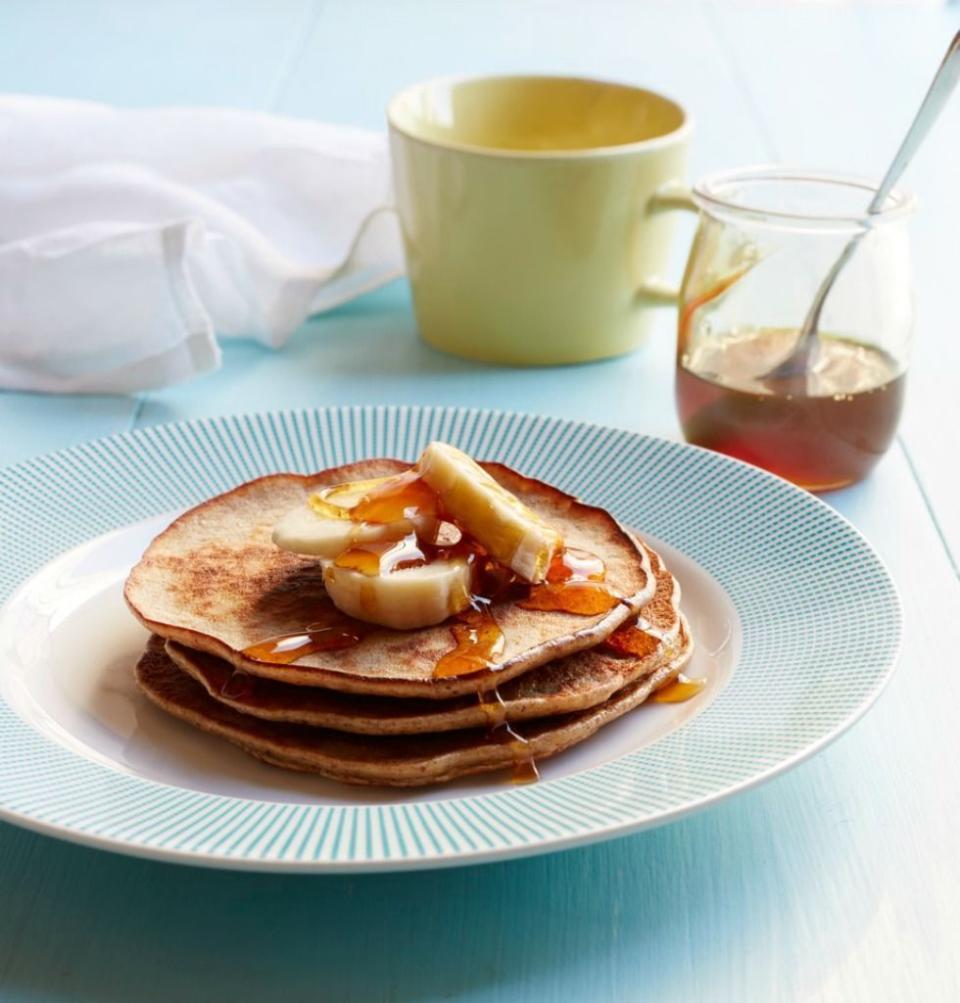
(681, 132)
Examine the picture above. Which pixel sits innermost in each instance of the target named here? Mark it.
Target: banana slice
(411, 597)
(507, 529)
(305, 532)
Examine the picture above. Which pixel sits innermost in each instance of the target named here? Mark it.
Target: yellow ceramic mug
(530, 210)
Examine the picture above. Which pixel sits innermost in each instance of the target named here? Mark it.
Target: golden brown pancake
(214, 582)
(390, 760)
(575, 682)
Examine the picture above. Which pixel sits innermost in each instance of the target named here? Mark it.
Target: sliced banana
(507, 529)
(305, 532)
(404, 599)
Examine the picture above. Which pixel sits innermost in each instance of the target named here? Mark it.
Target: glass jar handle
(656, 291)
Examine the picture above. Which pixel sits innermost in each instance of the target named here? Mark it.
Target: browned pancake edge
(393, 760)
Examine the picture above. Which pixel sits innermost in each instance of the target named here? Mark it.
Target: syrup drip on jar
(499, 730)
(679, 690)
(574, 585)
(331, 632)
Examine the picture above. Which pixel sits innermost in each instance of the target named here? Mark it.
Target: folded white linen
(130, 239)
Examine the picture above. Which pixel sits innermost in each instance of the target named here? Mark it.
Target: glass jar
(766, 239)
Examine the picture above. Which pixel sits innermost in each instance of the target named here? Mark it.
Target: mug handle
(673, 195)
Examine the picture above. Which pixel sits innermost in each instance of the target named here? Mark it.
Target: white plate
(795, 619)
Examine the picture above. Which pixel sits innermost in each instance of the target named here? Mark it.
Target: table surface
(839, 881)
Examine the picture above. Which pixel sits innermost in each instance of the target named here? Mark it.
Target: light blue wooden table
(839, 881)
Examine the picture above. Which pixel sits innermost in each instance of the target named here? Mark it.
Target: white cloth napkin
(129, 239)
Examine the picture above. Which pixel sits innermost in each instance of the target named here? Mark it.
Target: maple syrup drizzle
(524, 765)
(572, 565)
(479, 641)
(575, 584)
(285, 649)
(524, 770)
(493, 707)
(679, 690)
(582, 598)
(381, 500)
(400, 497)
(381, 557)
(632, 640)
(440, 540)
(332, 631)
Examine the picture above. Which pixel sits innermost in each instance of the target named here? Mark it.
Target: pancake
(214, 581)
(568, 684)
(386, 760)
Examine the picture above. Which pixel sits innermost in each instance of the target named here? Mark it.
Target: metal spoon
(803, 354)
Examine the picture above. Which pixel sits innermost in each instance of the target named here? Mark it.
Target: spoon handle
(944, 81)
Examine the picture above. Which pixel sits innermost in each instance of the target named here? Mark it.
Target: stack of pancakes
(213, 584)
